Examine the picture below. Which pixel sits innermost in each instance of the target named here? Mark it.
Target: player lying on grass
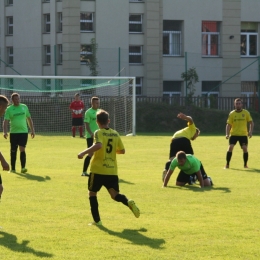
(103, 167)
(189, 166)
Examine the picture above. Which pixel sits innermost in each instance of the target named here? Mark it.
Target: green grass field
(45, 213)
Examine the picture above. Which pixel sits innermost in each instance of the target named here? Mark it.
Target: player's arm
(184, 117)
(198, 173)
(5, 124)
(228, 128)
(91, 149)
(167, 177)
(251, 128)
(122, 151)
(30, 122)
(88, 129)
(4, 163)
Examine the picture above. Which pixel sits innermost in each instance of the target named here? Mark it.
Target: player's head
(77, 96)
(15, 97)
(95, 102)
(196, 134)
(181, 158)
(102, 118)
(238, 104)
(4, 102)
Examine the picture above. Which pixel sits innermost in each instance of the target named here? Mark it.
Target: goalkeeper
(77, 107)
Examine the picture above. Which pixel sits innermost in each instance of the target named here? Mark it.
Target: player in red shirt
(76, 108)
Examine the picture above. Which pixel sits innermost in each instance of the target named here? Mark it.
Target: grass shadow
(10, 241)
(246, 170)
(136, 236)
(33, 177)
(126, 182)
(198, 189)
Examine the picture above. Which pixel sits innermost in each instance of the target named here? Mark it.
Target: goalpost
(48, 99)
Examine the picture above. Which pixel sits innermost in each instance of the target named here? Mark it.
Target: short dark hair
(181, 155)
(102, 117)
(77, 94)
(15, 95)
(238, 99)
(4, 100)
(94, 98)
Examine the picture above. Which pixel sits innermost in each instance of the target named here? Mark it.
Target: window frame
(133, 53)
(60, 54)
(59, 22)
(85, 53)
(9, 2)
(10, 55)
(87, 22)
(10, 25)
(247, 53)
(138, 87)
(47, 54)
(136, 23)
(47, 23)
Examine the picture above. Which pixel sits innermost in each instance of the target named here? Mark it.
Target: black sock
(13, 159)
(23, 159)
(94, 208)
(86, 163)
(245, 157)
(121, 198)
(228, 157)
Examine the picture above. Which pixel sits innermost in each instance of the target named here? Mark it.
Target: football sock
(94, 208)
(245, 157)
(23, 159)
(80, 131)
(13, 159)
(203, 173)
(121, 198)
(228, 157)
(86, 163)
(73, 129)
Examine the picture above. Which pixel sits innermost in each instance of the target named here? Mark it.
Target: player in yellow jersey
(103, 167)
(237, 130)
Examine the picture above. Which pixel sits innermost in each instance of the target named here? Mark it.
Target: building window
(172, 38)
(46, 87)
(47, 23)
(210, 93)
(249, 93)
(59, 53)
(135, 23)
(85, 53)
(135, 54)
(59, 23)
(210, 38)
(249, 34)
(9, 2)
(10, 25)
(172, 91)
(86, 22)
(46, 1)
(87, 85)
(47, 54)
(10, 56)
(138, 86)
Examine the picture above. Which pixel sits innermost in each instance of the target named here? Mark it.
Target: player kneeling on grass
(189, 166)
(103, 168)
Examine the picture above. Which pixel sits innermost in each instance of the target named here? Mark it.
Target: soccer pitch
(44, 214)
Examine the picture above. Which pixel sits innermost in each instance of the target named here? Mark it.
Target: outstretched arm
(184, 117)
(228, 127)
(167, 177)
(91, 149)
(251, 128)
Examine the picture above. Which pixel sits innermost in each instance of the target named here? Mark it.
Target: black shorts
(90, 141)
(18, 139)
(183, 177)
(180, 144)
(77, 121)
(96, 181)
(0, 179)
(243, 140)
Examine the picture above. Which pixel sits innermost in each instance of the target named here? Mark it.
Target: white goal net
(48, 99)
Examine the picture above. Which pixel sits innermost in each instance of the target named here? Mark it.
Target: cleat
(245, 166)
(227, 166)
(12, 171)
(81, 136)
(164, 174)
(85, 174)
(99, 223)
(24, 170)
(134, 208)
(211, 182)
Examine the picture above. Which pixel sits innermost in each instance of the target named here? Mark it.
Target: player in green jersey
(189, 166)
(103, 168)
(3, 105)
(237, 130)
(91, 126)
(18, 115)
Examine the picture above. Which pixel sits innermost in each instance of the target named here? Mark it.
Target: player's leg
(232, 142)
(23, 138)
(1, 187)
(243, 141)
(206, 179)
(13, 150)
(73, 128)
(94, 185)
(112, 185)
(182, 179)
(80, 125)
(87, 158)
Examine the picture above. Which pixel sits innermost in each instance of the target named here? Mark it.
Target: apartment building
(153, 40)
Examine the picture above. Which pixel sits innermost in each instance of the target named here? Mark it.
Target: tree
(92, 59)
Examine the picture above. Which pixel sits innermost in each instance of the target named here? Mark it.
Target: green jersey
(17, 115)
(104, 160)
(90, 118)
(191, 165)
